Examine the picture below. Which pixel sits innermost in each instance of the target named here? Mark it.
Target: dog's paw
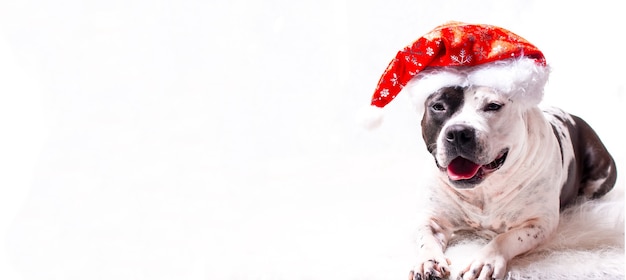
(415, 276)
(487, 265)
(431, 268)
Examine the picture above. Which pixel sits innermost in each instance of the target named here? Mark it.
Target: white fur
(520, 79)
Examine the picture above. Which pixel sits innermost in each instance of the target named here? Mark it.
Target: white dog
(505, 171)
(504, 167)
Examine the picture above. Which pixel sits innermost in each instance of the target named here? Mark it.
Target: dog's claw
(427, 276)
(430, 275)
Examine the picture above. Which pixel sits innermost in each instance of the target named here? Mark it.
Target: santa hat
(463, 54)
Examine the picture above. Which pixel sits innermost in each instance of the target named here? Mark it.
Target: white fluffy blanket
(589, 244)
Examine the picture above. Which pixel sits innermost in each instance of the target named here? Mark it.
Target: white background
(177, 139)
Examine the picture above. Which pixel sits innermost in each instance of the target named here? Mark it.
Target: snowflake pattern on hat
(451, 44)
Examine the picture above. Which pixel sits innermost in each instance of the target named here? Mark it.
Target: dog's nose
(460, 134)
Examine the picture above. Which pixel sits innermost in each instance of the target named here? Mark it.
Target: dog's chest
(487, 224)
(489, 214)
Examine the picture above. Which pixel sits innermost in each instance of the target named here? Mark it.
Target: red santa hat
(463, 54)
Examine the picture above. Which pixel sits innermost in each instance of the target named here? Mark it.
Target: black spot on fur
(591, 162)
(568, 191)
(440, 107)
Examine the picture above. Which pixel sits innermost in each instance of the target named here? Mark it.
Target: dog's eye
(438, 107)
(493, 107)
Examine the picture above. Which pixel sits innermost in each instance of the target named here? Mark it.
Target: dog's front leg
(431, 262)
(491, 261)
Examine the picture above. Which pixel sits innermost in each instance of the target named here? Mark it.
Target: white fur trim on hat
(520, 78)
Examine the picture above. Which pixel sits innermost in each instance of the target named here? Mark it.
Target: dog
(504, 166)
(503, 171)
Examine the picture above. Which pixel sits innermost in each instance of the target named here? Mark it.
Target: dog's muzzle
(464, 169)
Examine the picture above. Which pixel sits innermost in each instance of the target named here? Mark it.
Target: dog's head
(475, 81)
(470, 131)
(473, 130)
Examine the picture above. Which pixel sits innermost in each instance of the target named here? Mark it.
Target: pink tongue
(461, 169)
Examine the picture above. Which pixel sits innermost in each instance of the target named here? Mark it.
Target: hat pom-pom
(370, 117)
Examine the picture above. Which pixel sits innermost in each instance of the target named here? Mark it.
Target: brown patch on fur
(592, 162)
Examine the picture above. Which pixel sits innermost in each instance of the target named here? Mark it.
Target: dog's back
(591, 169)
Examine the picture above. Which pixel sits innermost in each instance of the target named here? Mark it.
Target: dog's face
(471, 132)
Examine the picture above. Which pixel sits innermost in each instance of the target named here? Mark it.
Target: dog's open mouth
(462, 169)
